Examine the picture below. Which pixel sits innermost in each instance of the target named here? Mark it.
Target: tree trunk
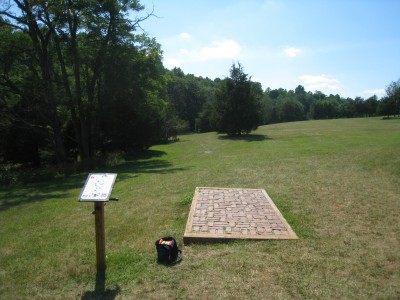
(84, 140)
(71, 102)
(41, 42)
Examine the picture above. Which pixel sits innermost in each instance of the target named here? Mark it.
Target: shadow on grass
(391, 118)
(146, 162)
(54, 189)
(144, 154)
(57, 189)
(247, 137)
(100, 291)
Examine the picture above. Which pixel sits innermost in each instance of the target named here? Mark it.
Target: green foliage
(325, 109)
(371, 105)
(289, 109)
(237, 104)
(317, 105)
(132, 112)
(387, 107)
(77, 80)
(393, 90)
(391, 105)
(189, 94)
(7, 175)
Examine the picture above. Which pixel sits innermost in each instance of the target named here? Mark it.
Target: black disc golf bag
(167, 251)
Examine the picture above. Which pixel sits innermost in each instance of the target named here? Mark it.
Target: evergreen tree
(237, 106)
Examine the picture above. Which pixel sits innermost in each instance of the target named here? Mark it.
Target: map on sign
(98, 187)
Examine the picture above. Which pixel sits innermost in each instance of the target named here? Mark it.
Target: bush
(8, 175)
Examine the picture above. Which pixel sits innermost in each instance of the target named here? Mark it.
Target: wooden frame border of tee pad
(234, 213)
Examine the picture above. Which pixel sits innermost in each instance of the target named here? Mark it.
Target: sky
(345, 47)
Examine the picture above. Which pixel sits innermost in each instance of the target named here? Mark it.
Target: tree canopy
(237, 105)
(76, 75)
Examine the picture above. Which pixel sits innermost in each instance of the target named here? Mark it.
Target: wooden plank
(100, 236)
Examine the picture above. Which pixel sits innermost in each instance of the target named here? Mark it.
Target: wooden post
(100, 237)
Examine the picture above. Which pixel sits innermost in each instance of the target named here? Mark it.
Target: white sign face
(98, 187)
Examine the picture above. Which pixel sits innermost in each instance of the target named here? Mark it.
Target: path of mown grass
(337, 182)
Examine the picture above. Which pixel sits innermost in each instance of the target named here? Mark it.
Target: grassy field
(337, 182)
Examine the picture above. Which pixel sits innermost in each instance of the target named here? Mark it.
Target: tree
(267, 108)
(393, 93)
(359, 105)
(187, 95)
(237, 106)
(386, 107)
(131, 92)
(371, 104)
(328, 108)
(30, 20)
(304, 98)
(66, 72)
(347, 108)
(289, 109)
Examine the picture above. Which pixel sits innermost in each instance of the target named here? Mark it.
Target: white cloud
(320, 82)
(292, 52)
(171, 63)
(378, 92)
(185, 36)
(226, 49)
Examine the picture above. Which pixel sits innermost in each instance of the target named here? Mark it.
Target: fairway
(336, 182)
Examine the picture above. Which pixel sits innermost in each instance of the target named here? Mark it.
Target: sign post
(100, 237)
(98, 189)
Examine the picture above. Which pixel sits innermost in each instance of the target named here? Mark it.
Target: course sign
(98, 187)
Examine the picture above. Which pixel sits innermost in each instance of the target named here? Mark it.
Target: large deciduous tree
(68, 70)
(237, 105)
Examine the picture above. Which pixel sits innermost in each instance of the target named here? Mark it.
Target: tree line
(274, 105)
(80, 79)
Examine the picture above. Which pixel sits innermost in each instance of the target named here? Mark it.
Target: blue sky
(350, 48)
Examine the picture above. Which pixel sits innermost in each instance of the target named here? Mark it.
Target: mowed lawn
(337, 182)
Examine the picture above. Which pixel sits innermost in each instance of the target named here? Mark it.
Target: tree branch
(137, 21)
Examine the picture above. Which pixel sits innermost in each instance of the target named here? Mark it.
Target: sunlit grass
(337, 182)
